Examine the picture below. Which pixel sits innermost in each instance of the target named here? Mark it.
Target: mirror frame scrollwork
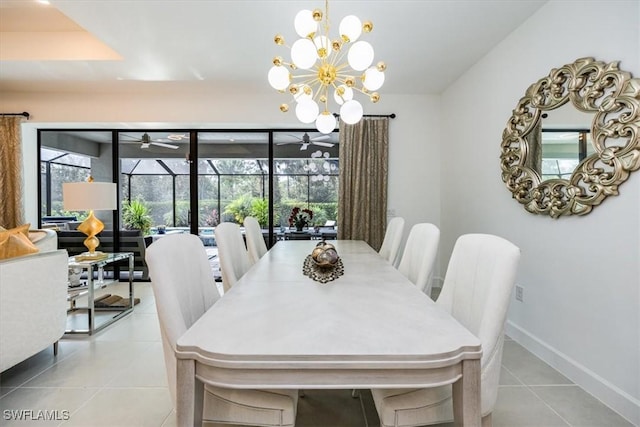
(613, 97)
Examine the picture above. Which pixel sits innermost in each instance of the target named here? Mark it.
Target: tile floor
(116, 378)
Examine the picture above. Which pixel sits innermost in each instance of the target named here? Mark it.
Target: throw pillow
(15, 242)
(36, 235)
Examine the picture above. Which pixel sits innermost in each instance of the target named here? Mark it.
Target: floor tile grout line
(164, 422)
(85, 403)
(528, 387)
(513, 374)
(546, 404)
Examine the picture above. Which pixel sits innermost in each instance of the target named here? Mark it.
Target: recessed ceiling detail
(30, 31)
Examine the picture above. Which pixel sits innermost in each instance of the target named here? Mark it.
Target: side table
(96, 268)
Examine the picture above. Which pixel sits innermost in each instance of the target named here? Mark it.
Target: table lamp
(90, 196)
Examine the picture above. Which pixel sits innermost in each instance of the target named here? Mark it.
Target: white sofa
(33, 300)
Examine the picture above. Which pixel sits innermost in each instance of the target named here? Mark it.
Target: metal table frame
(97, 266)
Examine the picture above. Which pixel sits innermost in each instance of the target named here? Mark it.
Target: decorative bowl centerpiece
(323, 264)
(324, 255)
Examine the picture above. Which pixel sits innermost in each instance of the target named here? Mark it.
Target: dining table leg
(467, 410)
(189, 394)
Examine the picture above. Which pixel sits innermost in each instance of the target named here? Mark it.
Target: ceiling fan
(146, 142)
(305, 141)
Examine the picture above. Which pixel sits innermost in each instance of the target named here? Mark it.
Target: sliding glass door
(189, 181)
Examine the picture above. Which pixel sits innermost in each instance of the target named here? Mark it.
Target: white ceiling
(427, 44)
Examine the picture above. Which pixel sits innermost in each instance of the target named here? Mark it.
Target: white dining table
(369, 328)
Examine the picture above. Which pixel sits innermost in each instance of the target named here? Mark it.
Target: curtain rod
(391, 116)
(24, 113)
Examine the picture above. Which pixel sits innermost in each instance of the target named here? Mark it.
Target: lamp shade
(84, 196)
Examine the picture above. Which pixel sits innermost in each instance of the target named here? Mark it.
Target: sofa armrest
(33, 304)
(45, 239)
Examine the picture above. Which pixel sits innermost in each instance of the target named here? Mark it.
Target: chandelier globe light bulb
(350, 28)
(373, 79)
(342, 94)
(307, 111)
(305, 24)
(323, 45)
(279, 77)
(326, 122)
(351, 112)
(360, 55)
(304, 54)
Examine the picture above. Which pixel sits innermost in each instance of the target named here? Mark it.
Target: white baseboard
(618, 400)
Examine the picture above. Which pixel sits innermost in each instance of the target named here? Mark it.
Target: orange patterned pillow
(15, 242)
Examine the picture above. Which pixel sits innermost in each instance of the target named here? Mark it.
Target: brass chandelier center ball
(326, 70)
(327, 74)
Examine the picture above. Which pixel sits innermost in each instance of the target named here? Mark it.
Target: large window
(56, 168)
(234, 172)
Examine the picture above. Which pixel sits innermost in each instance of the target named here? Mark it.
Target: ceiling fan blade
(323, 144)
(162, 144)
(133, 138)
(321, 138)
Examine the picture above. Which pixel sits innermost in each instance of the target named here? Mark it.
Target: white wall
(580, 274)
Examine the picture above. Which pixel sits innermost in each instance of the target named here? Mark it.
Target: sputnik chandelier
(318, 69)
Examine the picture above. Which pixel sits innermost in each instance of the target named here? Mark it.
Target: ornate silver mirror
(608, 148)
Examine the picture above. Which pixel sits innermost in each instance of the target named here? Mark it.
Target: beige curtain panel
(11, 211)
(362, 202)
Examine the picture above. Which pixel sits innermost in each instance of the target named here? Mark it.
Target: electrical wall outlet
(391, 212)
(519, 293)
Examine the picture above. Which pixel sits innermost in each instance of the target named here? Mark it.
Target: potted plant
(135, 216)
(300, 218)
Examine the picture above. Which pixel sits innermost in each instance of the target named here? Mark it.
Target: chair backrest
(419, 255)
(392, 239)
(184, 288)
(233, 255)
(476, 291)
(255, 241)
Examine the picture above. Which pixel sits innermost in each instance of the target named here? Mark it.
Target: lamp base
(91, 226)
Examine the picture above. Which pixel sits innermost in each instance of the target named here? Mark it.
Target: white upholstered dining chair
(184, 289)
(232, 252)
(392, 240)
(255, 242)
(419, 255)
(476, 291)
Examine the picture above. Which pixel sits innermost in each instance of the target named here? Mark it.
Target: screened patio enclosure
(192, 180)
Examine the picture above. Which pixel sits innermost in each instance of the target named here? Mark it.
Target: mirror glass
(565, 141)
(573, 138)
